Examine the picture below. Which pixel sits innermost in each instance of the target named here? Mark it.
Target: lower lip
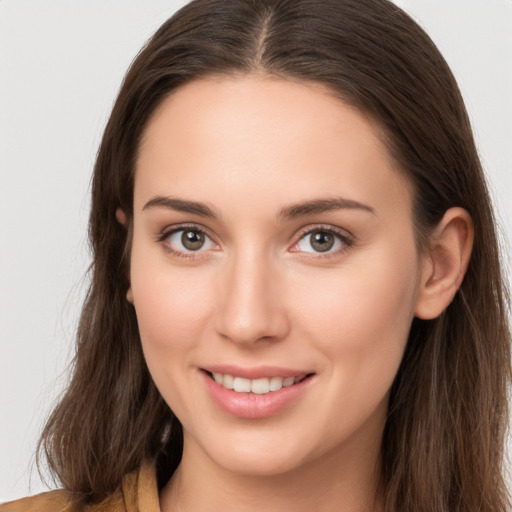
(252, 405)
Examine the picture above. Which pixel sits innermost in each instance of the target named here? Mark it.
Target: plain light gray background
(61, 63)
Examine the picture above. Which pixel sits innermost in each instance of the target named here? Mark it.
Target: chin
(260, 464)
(256, 455)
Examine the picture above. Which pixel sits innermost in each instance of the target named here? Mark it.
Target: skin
(258, 292)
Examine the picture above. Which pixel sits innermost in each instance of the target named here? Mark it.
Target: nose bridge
(250, 308)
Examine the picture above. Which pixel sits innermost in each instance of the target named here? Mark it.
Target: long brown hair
(442, 448)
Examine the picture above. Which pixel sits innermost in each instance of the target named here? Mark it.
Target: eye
(186, 240)
(322, 240)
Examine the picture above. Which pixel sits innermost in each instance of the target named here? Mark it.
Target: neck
(344, 480)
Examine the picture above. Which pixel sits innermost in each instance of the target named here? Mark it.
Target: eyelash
(162, 237)
(346, 239)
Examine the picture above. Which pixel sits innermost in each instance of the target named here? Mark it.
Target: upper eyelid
(324, 227)
(302, 231)
(169, 230)
(346, 238)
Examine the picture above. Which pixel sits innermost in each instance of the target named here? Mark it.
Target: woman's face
(273, 244)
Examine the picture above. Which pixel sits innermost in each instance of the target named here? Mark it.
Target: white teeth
(276, 383)
(242, 385)
(256, 386)
(260, 386)
(228, 381)
(289, 381)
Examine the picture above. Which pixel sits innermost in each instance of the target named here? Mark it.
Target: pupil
(192, 240)
(322, 241)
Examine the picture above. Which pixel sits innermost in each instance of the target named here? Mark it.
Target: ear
(121, 216)
(445, 263)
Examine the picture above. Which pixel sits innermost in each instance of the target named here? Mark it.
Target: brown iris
(192, 240)
(322, 241)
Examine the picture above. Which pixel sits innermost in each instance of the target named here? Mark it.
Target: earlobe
(445, 264)
(129, 295)
(121, 216)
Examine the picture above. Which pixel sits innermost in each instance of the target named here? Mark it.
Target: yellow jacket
(138, 493)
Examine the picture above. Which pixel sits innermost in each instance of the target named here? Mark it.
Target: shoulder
(53, 501)
(138, 492)
(60, 501)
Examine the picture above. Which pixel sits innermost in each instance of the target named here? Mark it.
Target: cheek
(359, 321)
(171, 311)
(360, 315)
(171, 303)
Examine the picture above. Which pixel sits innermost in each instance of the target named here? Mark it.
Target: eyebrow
(321, 206)
(293, 211)
(181, 205)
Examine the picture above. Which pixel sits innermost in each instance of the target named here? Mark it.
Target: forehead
(258, 136)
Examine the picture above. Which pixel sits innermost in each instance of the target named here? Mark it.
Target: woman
(296, 297)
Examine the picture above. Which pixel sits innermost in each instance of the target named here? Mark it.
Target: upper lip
(255, 372)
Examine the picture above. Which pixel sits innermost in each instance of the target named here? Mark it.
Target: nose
(250, 308)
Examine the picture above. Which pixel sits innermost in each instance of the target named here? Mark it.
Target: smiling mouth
(257, 386)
